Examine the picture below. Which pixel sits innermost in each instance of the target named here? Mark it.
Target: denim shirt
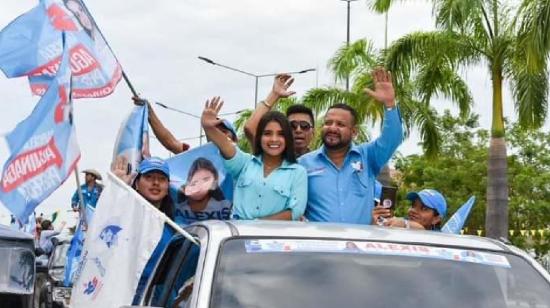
(256, 196)
(346, 194)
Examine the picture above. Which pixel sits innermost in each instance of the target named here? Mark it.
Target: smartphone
(389, 197)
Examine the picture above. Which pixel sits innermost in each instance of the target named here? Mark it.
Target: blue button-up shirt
(257, 196)
(90, 195)
(345, 194)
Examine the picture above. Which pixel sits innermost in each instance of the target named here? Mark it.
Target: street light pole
(347, 35)
(256, 76)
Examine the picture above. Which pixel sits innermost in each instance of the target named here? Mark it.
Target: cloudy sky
(157, 43)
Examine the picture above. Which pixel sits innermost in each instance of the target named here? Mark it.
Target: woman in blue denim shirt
(269, 184)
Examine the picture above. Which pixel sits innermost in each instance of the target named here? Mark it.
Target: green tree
(473, 32)
(460, 171)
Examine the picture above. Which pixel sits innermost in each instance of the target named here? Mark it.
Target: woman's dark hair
(199, 164)
(166, 204)
(275, 116)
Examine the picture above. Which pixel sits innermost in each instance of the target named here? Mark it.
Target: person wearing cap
(152, 183)
(428, 208)
(91, 190)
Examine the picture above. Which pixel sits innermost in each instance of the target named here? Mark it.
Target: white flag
(119, 242)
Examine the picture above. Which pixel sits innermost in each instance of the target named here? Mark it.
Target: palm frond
(441, 47)
(461, 16)
(425, 119)
(380, 6)
(352, 58)
(440, 79)
(534, 32)
(530, 91)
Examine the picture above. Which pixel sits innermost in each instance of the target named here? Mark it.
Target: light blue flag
(43, 149)
(74, 254)
(457, 221)
(31, 45)
(132, 142)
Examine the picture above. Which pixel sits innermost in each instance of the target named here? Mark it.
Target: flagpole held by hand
(82, 209)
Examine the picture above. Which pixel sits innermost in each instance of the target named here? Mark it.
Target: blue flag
(43, 149)
(187, 184)
(457, 221)
(132, 143)
(74, 255)
(31, 45)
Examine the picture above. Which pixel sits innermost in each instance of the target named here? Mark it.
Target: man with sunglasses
(301, 121)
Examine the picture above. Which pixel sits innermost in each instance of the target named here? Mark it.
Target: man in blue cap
(428, 208)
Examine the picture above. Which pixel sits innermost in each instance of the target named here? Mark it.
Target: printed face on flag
(32, 47)
(132, 143)
(198, 176)
(43, 150)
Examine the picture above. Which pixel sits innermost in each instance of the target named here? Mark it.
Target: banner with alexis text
(43, 149)
(31, 45)
(196, 175)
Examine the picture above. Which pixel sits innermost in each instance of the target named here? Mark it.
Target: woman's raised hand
(209, 118)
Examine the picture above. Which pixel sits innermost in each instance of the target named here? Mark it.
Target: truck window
(173, 280)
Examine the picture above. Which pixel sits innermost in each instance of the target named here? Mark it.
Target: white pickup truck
(295, 264)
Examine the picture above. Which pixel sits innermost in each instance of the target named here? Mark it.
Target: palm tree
(473, 32)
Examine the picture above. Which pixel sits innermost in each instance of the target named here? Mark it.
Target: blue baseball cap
(154, 164)
(225, 123)
(432, 199)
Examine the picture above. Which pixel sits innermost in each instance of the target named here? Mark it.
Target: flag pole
(126, 79)
(163, 216)
(82, 209)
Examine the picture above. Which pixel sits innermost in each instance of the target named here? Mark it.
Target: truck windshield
(318, 273)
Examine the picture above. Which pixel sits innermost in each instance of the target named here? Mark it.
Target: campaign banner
(31, 45)
(132, 142)
(43, 149)
(119, 242)
(457, 221)
(200, 186)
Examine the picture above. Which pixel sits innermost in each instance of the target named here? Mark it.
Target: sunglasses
(304, 125)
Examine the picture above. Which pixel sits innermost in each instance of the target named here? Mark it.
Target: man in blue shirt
(90, 191)
(341, 174)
